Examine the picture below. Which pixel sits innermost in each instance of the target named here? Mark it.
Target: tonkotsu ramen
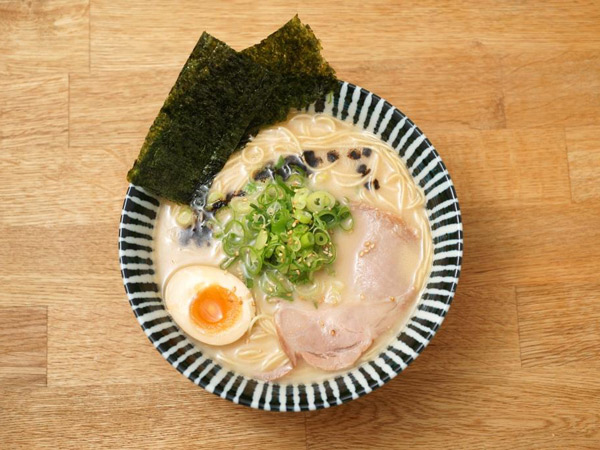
(304, 257)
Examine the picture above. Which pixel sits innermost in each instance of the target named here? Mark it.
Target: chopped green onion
(274, 284)
(216, 229)
(280, 162)
(185, 217)
(283, 185)
(235, 237)
(345, 219)
(261, 240)
(347, 224)
(307, 240)
(296, 181)
(214, 197)
(319, 200)
(251, 187)
(330, 253)
(280, 221)
(270, 249)
(280, 231)
(303, 216)
(271, 193)
(321, 237)
(240, 205)
(236, 229)
(295, 245)
(281, 255)
(251, 261)
(224, 215)
(256, 221)
(310, 290)
(300, 229)
(299, 200)
(230, 246)
(329, 218)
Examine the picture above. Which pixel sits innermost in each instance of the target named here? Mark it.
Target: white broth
(384, 183)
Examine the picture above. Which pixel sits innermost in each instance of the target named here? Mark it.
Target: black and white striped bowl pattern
(366, 110)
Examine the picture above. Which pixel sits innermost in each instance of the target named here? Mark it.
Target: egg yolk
(215, 308)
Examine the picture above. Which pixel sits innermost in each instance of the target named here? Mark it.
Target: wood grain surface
(508, 91)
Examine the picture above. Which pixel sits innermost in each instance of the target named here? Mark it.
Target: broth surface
(383, 182)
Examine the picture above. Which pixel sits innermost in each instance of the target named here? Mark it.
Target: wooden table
(509, 92)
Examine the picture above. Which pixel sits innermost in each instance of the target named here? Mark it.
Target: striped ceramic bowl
(353, 104)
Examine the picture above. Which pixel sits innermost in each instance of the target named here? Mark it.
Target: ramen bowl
(366, 111)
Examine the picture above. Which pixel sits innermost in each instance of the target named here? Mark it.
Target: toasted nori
(363, 170)
(311, 159)
(293, 54)
(220, 98)
(218, 92)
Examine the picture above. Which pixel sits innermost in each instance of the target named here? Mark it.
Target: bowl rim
(373, 113)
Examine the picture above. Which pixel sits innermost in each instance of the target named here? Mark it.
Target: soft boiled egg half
(209, 304)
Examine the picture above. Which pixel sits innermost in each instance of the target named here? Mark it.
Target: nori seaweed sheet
(220, 98)
(293, 53)
(216, 95)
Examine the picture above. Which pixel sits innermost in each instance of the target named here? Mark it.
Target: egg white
(183, 287)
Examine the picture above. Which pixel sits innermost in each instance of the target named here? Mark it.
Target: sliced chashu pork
(334, 337)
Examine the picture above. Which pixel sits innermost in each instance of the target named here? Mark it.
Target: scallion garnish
(280, 232)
